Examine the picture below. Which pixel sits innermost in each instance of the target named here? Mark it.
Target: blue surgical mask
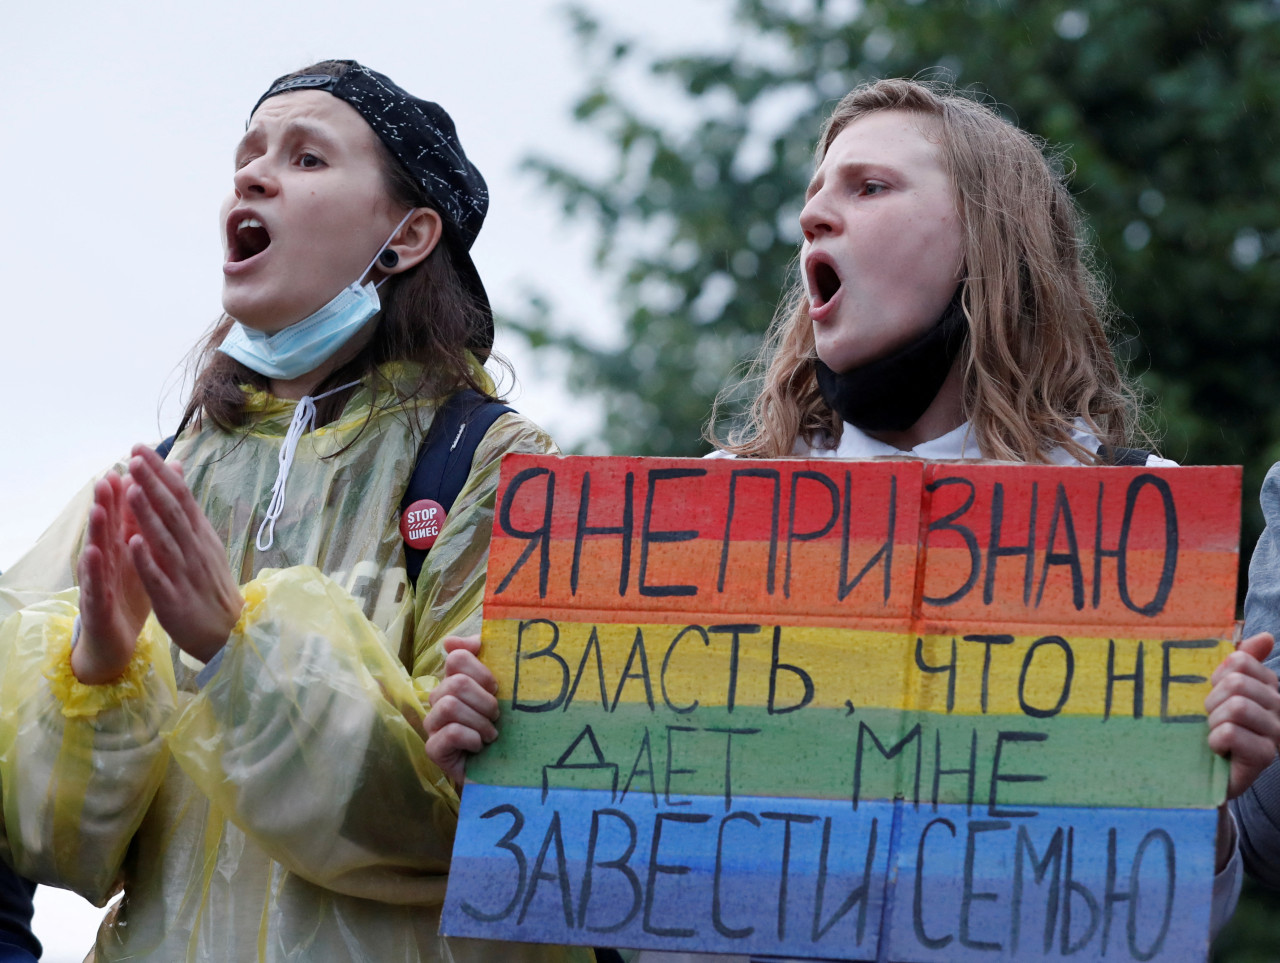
(305, 345)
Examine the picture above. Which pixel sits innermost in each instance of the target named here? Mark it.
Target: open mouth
(824, 282)
(246, 237)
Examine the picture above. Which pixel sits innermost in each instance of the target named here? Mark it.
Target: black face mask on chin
(891, 393)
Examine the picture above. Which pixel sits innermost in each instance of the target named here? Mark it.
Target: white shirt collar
(960, 442)
(955, 444)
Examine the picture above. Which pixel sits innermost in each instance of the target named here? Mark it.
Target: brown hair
(1037, 359)
(428, 316)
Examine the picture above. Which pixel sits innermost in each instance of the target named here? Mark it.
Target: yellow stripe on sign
(1047, 675)
(675, 668)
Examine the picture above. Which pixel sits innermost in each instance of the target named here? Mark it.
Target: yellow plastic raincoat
(281, 805)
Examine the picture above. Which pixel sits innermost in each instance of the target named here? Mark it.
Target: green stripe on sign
(823, 753)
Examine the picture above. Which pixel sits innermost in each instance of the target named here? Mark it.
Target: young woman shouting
(215, 673)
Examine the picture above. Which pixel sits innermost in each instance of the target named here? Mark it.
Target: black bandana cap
(421, 136)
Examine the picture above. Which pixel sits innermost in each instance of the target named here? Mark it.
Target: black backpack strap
(166, 446)
(444, 459)
(1123, 457)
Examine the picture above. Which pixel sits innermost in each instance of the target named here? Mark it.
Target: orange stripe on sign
(809, 542)
(866, 580)
(961, 586)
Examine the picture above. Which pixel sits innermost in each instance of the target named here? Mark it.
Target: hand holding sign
(464, 708)
(1244, 712)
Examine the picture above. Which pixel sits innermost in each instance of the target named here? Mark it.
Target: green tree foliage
(1165, 110)
(1253, 935)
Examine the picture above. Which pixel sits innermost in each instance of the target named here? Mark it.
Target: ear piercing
(388, 258)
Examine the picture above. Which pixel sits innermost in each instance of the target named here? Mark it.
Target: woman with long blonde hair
(1021, 360)
(946, 308)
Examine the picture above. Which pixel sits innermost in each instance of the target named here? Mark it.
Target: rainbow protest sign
(855, 710)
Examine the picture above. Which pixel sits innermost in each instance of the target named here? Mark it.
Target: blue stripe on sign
(771, 876)
(791, 877)
(1119, 884)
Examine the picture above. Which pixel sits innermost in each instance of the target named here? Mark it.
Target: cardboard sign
(855, 710)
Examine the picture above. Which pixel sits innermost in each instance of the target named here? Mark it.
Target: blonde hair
(1037, 360)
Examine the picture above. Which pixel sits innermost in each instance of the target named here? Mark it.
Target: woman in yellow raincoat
(241, 747)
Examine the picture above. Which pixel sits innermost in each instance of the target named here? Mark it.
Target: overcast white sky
(117, 126)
